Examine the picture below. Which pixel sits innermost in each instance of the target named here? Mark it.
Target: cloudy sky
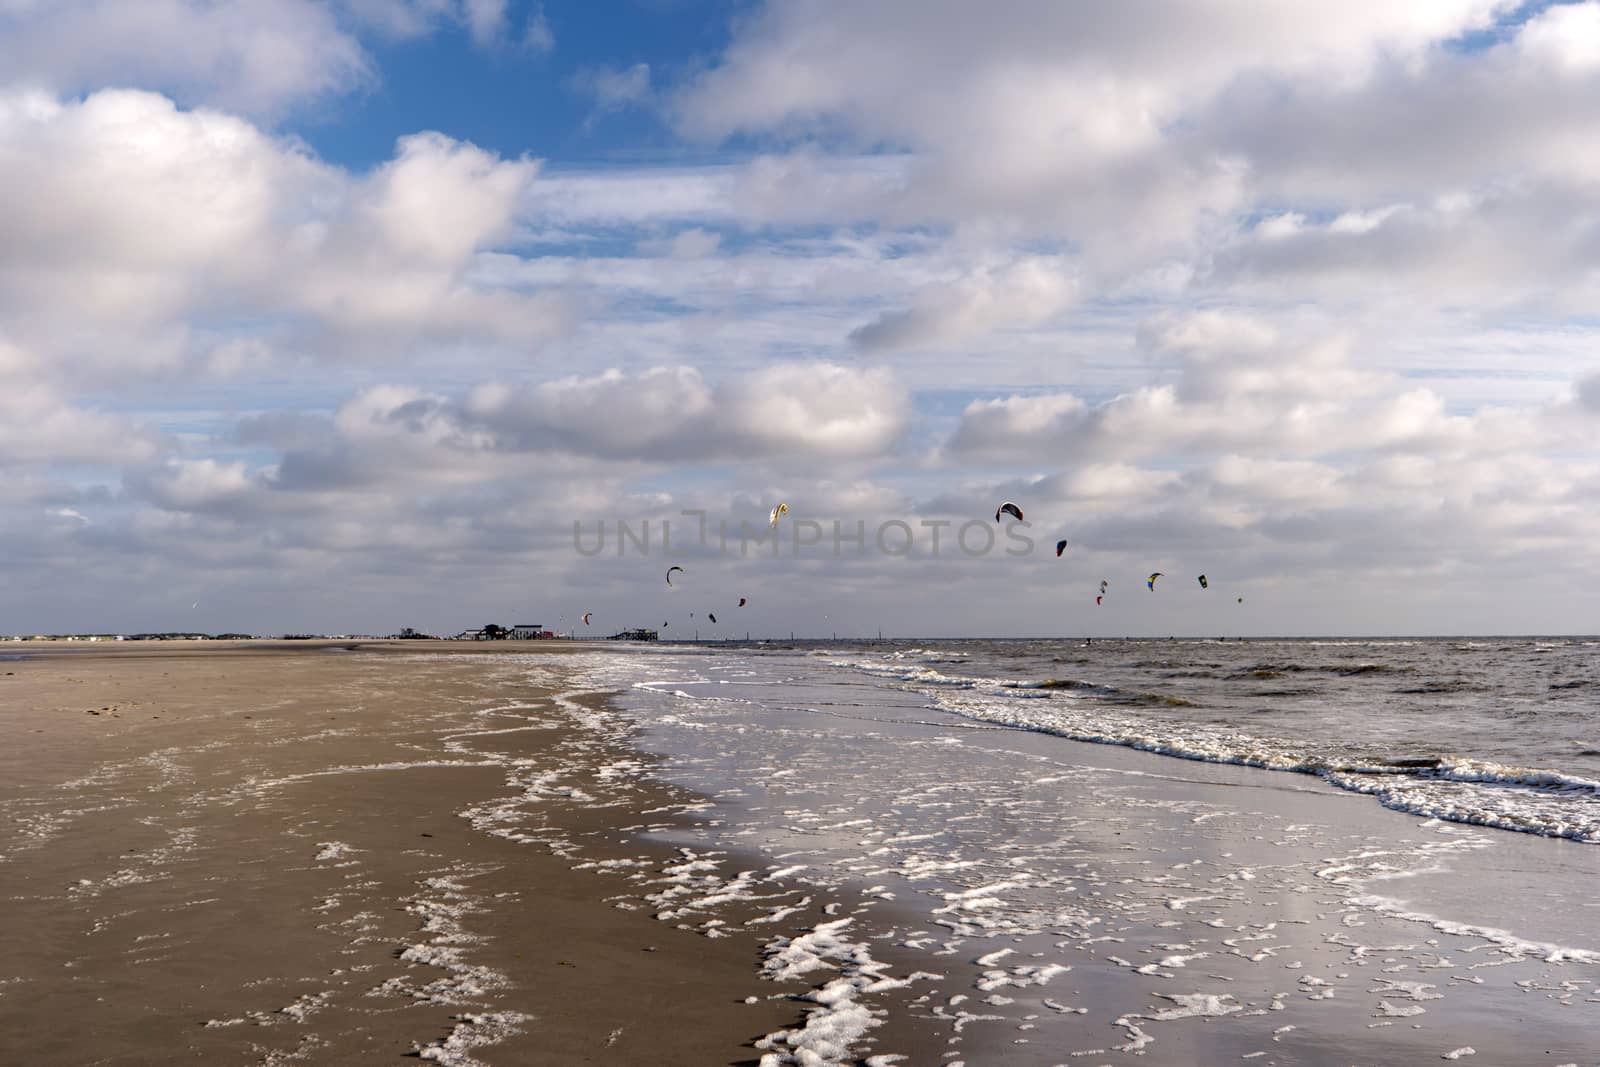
(337, 315)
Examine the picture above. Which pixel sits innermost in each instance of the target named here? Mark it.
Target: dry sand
(256, 854)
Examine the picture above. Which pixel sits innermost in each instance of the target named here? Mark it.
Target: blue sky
(335, 315)
(514, 98)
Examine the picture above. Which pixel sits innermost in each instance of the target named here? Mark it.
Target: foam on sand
(840, 1019)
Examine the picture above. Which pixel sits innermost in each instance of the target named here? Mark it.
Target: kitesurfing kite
(1203, 584)
(1097, 600)
(669, 573)
(741, 602)
(1008, 508)
(586, 617)
(781, 509)
(1103, 585)
(1061, 546)
(1151, 581)
(710, 616)
(1241, 600)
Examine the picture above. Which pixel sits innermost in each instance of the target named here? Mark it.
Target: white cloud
(1073, 119)
(198, 485)
(1263, 402)
(615, 88)
(135, 220)
(793, 414)
(40, 426)
(537, 34)
(256, 58)
(487, 22)
(486, 19)
(437, 202)
(1026, 292)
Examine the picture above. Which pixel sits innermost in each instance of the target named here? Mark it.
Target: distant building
(633, 635)
(528, 631)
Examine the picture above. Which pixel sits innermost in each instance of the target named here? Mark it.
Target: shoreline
(320, 855)
(1331, 930)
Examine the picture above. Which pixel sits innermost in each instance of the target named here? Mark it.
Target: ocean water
(1501, 732)
(1497, 732)
(1352, 851)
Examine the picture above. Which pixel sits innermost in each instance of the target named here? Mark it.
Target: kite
(669, 573)
(1151, 581)
(1008, 508)
(1103, 585)
(741, 602)
(1061, 546)
(586, 617)
(1203, 584)
(710, 616)
(1241, 600)
(1097, 600)
(781, 509)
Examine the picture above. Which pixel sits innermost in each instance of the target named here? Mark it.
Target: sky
(341, 316)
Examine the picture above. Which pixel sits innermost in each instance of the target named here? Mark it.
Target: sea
(1150, 851)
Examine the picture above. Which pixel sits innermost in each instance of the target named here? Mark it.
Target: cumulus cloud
(37, 425)
(1409, 159)
(134, 220)
(41, 425)
(1043, 114)
(1589, 393)
(1026, 292)
(258, 59)
(196, 485)
(1240, 386)
(796, 413)
(389, 443)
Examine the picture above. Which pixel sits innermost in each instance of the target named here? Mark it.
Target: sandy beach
(258, 855)
(332, 853)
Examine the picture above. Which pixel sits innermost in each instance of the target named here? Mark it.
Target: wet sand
(289, 853)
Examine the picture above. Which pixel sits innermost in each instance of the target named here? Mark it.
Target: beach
(258, 855)
(568, 853)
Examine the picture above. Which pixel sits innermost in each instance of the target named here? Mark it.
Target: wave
(1448, 787)
(1057, 683)
(1457, 685)
(1162, 699)
(1278, 670)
